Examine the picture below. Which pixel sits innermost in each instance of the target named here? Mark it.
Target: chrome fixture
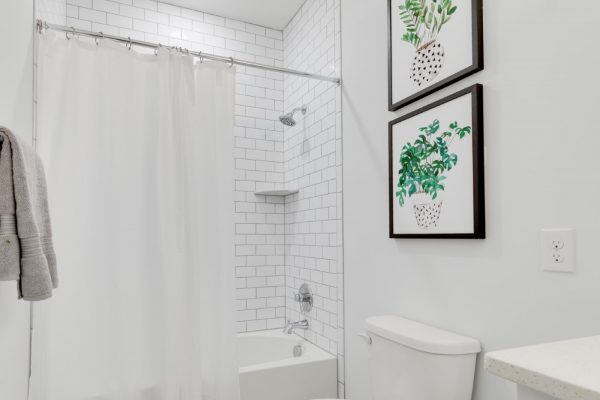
(304, 297)
(73, 32)
(293, 325)
(288, 119)
(365, 337)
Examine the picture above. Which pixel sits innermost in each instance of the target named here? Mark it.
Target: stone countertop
(567, 370)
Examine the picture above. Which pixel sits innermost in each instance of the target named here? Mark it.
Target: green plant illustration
(424, 19)
(423, 164)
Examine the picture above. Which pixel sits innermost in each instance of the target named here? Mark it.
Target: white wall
(16, 102)
(541, 131)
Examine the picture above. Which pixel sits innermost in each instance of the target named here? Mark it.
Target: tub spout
(293, 325)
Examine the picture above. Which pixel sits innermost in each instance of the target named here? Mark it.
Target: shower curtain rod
(41, 25)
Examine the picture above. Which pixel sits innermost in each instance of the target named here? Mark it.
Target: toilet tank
(412, 361)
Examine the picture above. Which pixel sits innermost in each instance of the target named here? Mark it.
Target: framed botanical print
(431, 44)
(436, 181)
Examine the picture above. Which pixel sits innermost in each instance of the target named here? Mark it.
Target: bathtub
(270, 371)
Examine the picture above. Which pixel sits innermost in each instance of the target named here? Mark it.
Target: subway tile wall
(258, 152)
(313, 163)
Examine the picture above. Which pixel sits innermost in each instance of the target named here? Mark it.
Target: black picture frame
(477, 59)
(476, 92)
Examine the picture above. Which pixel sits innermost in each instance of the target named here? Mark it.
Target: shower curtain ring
(72, 33)
(156, 49)
(96, 39)
(230, 62)
(129, 44)
(201, 57)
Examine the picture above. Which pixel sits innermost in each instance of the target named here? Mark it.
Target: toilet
(412, 361)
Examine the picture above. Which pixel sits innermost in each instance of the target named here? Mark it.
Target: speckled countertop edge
(551, 386)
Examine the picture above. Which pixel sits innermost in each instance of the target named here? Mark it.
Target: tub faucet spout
(293, 325)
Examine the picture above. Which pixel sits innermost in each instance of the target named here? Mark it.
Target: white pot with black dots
(427, 63)
(427, 211)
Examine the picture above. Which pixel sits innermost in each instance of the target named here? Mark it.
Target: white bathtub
(269, 370)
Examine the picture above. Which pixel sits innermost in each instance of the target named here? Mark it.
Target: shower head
(288, 119)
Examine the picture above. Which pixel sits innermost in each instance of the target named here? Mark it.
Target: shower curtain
(138, 153)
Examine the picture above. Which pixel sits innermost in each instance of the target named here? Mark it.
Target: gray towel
(26, 250)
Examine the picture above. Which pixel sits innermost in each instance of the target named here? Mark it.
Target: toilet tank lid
(420, 336)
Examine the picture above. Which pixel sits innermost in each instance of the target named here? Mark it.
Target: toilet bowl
(410, 360)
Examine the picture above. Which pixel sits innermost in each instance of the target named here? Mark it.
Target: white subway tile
(169, 31)
(192, 36)
(255, 50)
(214, 20)
(152, 38)
(107, 29)
(255, 29)
(106, 6)
(128, 33)
(235, 24)
(87, 14)
(203, 27)
(274, 34)
(160, 18)
(245, 37)
(147, 4)
(169, 9)
(264, 41)
(79, 24)
(235, 45)
(144, 26)
(257, 325)
(214, 41)
(180, 22)
(121, 22)
(133, 12)
(81, 3)
(224, 32)
(192, 14)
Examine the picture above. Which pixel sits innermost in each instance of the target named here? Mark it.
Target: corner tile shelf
(280, 192)
(567, 370)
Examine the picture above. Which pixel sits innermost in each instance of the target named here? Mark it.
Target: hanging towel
(26, 250)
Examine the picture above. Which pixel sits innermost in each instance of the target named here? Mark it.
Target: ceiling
(270, 13)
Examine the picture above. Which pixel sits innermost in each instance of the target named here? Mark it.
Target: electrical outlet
(558, 250)
(557, 258)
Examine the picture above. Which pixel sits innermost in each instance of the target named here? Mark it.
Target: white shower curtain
(138, 152)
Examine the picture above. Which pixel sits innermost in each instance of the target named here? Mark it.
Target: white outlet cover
(566, 253)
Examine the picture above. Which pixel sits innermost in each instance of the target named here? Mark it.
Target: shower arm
(301, 109)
